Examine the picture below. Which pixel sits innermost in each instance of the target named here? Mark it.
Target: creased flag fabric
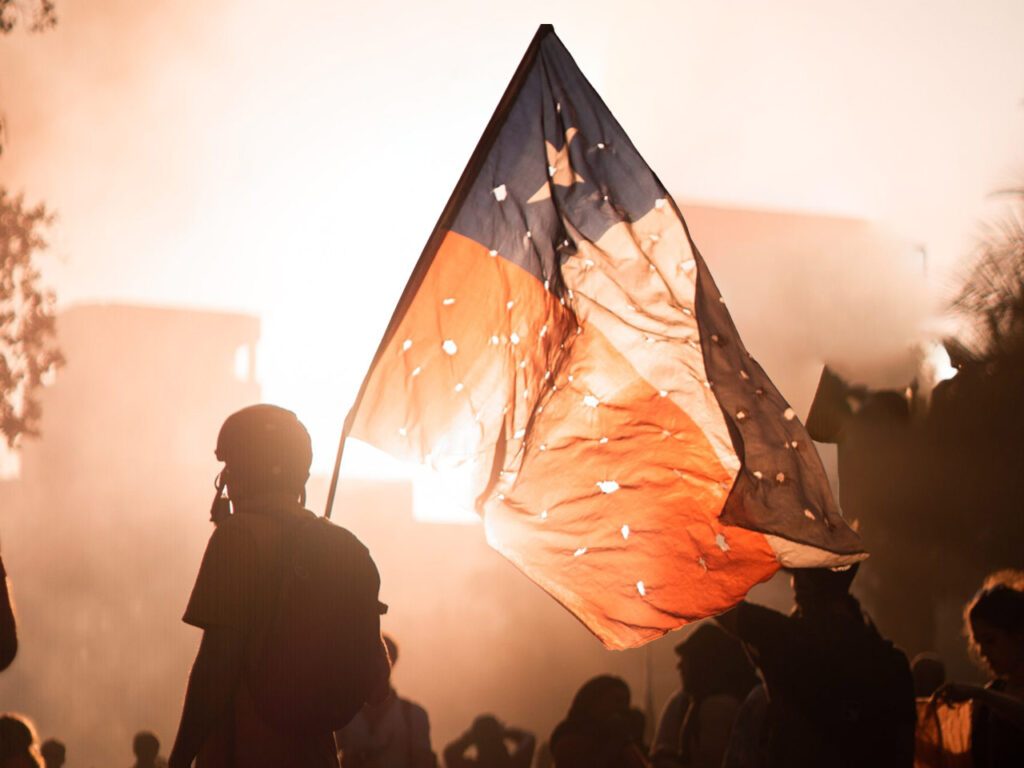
(562, 340)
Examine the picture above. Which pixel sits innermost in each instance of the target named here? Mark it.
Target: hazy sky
(290, 160)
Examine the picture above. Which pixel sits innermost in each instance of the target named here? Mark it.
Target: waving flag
(562, 340)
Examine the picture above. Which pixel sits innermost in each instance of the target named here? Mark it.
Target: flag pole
(455, 202)
(337, 461)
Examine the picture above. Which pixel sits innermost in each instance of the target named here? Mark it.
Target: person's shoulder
(413, 709)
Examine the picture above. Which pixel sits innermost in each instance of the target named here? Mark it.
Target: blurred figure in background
(994, 621)
(697, 721)
(19, 745)
(596, 733)
(146, 747)
(54, 753)
(929, 674)
(490, 740)
(840, 695)
(389, 731)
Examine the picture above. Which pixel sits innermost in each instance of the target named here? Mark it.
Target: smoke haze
(289, 162)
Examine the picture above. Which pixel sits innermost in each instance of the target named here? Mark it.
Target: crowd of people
(818, 687)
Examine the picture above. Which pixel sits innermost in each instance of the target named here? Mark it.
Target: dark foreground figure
(287, 602)
(839, 694)
(19, 745)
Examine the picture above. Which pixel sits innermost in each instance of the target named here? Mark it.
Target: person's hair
(999, 603)
(714, 662)
(17, 736)
(146, 745)
(392, 646)
(593, 691)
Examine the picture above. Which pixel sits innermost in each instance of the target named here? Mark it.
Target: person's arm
(525, 744)
(8, 626)
(665, 751)
(455, 753)
(1007, 707)
(211, 687)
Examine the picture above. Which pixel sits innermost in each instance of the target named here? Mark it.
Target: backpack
(321, 655)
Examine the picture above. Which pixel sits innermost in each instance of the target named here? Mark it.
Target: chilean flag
(562, 340)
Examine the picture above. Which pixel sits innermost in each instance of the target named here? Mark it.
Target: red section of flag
(601, 489)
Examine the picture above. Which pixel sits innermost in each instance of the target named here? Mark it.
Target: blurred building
(105, 522)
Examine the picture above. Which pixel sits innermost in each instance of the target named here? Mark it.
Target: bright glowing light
(438, 496)
(937, 358)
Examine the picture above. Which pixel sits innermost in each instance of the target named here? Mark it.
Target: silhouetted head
(265, 450)
(19, 747)
(392, 646)
(817, 588)
(488, 732)
(54, 753)
(601, 699)
(994, 620)
(711, 661)
(929, 674)
(146, 747)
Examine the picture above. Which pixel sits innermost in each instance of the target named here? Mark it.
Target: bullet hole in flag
(500, 192)
(449, 347)
(721, 542)
(580, 551)
(789, 414)
(407, 345)
(641, 589)
(608, 486)
(591, 401)
(625, 532)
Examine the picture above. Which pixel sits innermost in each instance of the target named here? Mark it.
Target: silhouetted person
(54, 753)
(389, 732)
(19, 745)
(716, 677)
(839, 694)
(492, 741)
(596, 733)
(146, 747)
(288, 607)
(995, 625)
(929, 674)
(8, 627)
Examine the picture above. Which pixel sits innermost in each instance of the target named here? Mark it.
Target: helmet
(268, 443)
